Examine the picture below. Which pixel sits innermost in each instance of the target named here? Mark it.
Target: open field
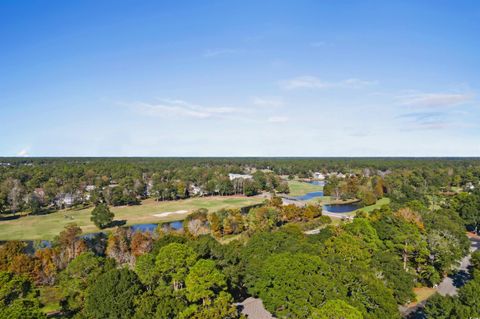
(48, 226)
(301, 188)
(377, 205)
(50, 297)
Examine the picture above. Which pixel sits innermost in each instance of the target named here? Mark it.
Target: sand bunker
(166, 214)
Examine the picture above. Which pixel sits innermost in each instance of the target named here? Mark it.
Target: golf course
(36, 227)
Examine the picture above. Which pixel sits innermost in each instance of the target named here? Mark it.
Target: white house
(196, 190)
(65, 200)
(237, 176)
(318, 175)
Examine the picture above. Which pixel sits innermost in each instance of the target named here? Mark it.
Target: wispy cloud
(429, 121)
(24, 153)
(420, 116)
(278, 119)
(432, 100)
(312, 82)
(270, 101)
(181, 108)
(430, 125)
(210, 53)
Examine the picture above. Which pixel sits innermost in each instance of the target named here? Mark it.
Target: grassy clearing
(50, 298)
(301, 188)
(50, 225)
(377, 205)
(421, 294)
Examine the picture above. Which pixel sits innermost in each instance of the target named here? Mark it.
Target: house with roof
(318, 175)
(232, 176)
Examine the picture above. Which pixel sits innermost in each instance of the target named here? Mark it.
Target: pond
(341, 208)
(311, 195)
(150, 227)
(308, 196)
(177, 225)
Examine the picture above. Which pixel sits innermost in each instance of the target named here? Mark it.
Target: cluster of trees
(265, 217)
(360, 269)
(367, 189)
(468, 206)
(41, 185)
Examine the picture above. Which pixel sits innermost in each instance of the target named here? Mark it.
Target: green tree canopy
(18, 298)
(102, 216)
(113, 295)
(204, 281)
(173, 262)
(337, 309)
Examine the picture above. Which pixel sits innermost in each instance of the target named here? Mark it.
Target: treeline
(42, 184)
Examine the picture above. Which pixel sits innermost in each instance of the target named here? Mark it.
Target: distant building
(318, 175)
(149, 187)
(469, 186)
(238, 176)
(40, 193)
(65, 200)
(196, 190)
(384, 173)
(336, 174)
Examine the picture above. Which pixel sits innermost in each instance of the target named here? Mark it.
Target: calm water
(311, 195)
(177, 225)
(341, 208)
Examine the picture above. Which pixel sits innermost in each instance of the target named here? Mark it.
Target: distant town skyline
(240, 78)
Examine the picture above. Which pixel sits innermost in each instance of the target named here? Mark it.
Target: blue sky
(239, 78)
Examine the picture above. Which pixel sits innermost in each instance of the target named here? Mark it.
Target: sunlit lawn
(48, 226)
(301, 188)
(50, 298)
(421, 294)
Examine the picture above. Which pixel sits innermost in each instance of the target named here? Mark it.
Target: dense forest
(363, 267)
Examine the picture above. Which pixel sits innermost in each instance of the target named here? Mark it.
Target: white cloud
(210, 53)
(278, 119)
(312, 82)
(268, 101)
(434, 99)
(181, 108)
(23, 153)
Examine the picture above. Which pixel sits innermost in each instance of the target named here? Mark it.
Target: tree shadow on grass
(11, 217)
(117, 223)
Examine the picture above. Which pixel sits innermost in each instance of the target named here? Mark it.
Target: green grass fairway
(377, 205)
(50, 225)
(301, 188)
